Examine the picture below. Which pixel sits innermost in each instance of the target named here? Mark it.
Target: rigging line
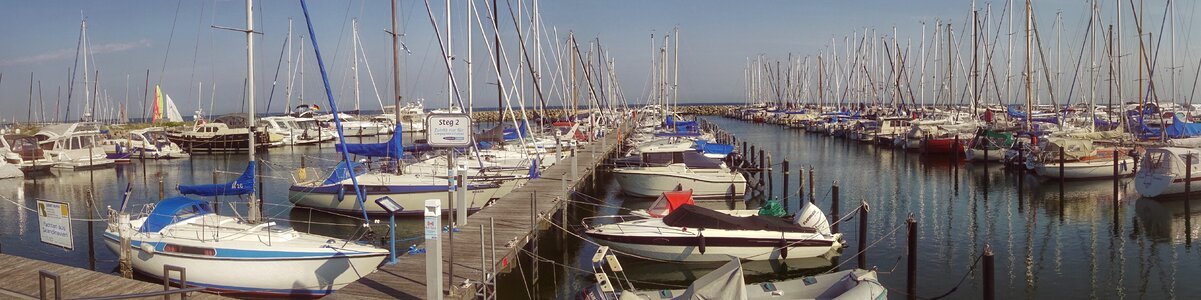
(270, 96)
(170, 39)
(196, 50)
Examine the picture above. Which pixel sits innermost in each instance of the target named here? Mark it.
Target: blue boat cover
(1013, 113)
(513, 134)
(342, 172)
(534, 169)
(174, 209)
(241, 186)
(706, 147)
(1181, 129)
(393, 148)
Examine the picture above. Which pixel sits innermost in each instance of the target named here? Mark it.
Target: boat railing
(621, 222)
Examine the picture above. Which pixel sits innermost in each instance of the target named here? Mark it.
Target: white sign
(433, 219)
(448, 130)
(54, 218)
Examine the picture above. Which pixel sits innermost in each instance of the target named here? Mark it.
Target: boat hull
(265, 276)
(686, 248)
(412, 199)
(1095, 169)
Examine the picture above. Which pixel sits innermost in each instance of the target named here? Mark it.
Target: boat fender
(148, 248)
(341, 193)
(783, 248)
(700, 240)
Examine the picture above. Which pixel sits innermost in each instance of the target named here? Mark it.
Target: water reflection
(1168, 221)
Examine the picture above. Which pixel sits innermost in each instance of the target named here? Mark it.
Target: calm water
(1045, 246)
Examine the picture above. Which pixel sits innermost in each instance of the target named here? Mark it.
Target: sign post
(452, 131)
(393, 208)
(54, 219)
(433, 249)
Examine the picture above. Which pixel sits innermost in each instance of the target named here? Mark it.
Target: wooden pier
(20, 278)
(518, 217)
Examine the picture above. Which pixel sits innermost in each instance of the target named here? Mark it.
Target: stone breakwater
(554, 114)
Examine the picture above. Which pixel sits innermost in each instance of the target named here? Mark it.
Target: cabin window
(189, 250)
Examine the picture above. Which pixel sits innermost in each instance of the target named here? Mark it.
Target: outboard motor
(811, 216)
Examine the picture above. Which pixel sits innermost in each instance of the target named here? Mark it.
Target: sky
(134, 44)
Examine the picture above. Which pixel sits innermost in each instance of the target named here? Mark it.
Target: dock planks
(20, 281)
(514, 227)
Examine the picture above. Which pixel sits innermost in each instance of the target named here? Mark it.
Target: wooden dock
(20, 281)
(515, 226)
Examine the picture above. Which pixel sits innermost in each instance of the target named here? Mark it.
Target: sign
(448, 130)
(54, 219)
(433, 219)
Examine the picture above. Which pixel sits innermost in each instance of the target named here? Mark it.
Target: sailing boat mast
(395, 68)
(354, 67)
(253, 213)
(1029, 66)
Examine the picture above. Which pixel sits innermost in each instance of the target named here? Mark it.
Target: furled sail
(393, 148)
(241, 186)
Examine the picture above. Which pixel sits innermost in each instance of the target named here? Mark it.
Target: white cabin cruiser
(691, 233)
(74, 146)
(23, 151)
(651, 174)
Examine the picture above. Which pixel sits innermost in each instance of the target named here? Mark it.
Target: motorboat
(691, 233)
(228, 133)
(153, 143)
(8, 170)
(74, 146)
(651, 174)
(296, 131)
(729, 282)
(23, 151)
(225, 253)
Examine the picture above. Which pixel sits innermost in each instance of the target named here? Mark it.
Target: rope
(22, 206)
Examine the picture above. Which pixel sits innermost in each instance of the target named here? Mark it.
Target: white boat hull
(1095, 169)
(258, 276)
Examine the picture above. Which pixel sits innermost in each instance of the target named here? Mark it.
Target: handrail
(166, 292)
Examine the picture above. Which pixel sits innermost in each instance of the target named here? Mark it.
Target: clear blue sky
(174, 41)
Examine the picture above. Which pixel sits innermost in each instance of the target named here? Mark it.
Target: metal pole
(392, 238)
(812, 195)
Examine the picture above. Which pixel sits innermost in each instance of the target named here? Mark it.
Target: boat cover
(241, 186)
(692, 216)
(668, 202)
(726, 282)
(342, 172)
(706, 147)
(513, 134)
(393, 148)
(174, 209)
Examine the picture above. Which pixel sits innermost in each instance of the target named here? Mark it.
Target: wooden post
(990, 277)
(1061, 182)
(784, 192)
(1116, 175)
(800, 189)
(863, 235)
(911, 283)
(1188, 190)
(834, 215)
(771, 182)
(812, 195)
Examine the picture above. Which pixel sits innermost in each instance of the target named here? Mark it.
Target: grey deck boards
(514, 226)
(19, 279)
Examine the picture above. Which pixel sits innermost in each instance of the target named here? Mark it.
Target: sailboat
(244, 255)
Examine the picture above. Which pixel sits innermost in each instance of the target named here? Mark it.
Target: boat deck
(514, 228)
(20, 278)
